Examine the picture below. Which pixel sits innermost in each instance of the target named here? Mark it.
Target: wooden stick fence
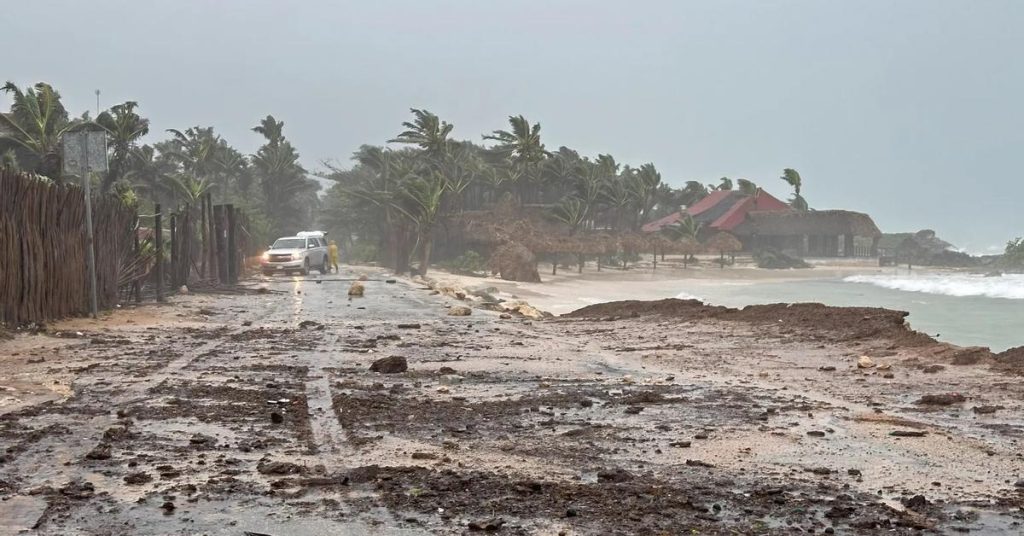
(43, 272)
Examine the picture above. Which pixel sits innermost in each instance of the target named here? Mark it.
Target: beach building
(721, 210)
(811, 233)
(763, 221)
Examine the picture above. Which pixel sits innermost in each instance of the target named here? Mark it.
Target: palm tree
(747, 188)
(420, 201)
(522, 146)
(428, 132)
(36, 124)
(282, 179)
(643, 188)
(693, 191)
(124, 128)
(792, 178)
(149, 172)
(725, 183)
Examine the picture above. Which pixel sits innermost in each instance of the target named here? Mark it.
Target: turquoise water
(940, 310)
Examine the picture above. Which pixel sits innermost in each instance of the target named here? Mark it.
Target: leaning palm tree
(792, 178)
(428, 132)
(124, 128)
(420, 201)
(643, 188)
(522, 146)
(36, 124)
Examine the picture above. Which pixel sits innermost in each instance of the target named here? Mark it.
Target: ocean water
(963, 309)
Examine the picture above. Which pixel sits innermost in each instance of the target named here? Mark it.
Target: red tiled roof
(708, 202)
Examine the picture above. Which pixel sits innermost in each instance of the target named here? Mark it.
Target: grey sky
(910, 110)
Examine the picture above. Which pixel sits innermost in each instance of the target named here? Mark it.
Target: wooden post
(174, 250)
(203, 238)
(218, 231)
(232, 245)
(136, 284)
(158, 238)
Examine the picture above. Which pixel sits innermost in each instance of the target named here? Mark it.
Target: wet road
(256, 413)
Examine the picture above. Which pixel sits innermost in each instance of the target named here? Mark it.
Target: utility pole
(97, 103)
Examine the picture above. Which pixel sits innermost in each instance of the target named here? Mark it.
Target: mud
(260, 413)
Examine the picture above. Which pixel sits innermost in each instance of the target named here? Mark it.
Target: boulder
(514, 262)
(460, 310)
(865, 362)
(356, 289)
(390, 365)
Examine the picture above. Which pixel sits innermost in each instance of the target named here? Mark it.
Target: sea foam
(1010, 286)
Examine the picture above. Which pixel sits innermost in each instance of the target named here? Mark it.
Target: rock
(698, 463)
(614, 475)
(78, 489)
(840, 512)
(409, 326)
(424, 456)
(828, 368)
(137, 478)
(853, 472)
(986, 410)
(491, 525)
(279, 468)
(1019, 484)
(311, 324)
(183, 289)
(916, 502)
(701, 435)
(816, 433)
(364, 277)
(357, 289)
(202, 439)
(932, 369)
(633, 410)
(628, 378)
(460, 310)
(680, 444)
(390, 281)
(276, 418)
(99, 452)
(908, 433)
(865, 362)
(167, 507)
(390, 365)
(505, 316)
(446, 370)
(451, 379)
(945, 399)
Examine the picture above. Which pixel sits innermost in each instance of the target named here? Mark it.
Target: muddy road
(260, 414)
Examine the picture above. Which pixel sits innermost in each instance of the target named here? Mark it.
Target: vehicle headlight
(266, 256)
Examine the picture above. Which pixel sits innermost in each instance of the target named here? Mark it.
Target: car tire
(268, 273)
(305, 267)
(323, 266)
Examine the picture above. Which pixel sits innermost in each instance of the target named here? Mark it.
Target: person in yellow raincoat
(332, 254)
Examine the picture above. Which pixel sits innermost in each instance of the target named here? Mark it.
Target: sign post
(85, 152)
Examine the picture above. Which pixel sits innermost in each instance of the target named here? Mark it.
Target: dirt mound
(845, 323)
(514, 262)
(1011, 360)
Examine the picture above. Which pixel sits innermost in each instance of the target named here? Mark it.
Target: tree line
(391, 201)
(271, 186)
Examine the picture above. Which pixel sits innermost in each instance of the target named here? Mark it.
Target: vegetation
(396, 203)
(270, 186)
(1013, 257)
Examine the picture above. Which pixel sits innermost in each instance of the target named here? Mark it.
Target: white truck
(300, 253)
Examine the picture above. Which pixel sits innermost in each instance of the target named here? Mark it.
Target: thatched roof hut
(808, 222)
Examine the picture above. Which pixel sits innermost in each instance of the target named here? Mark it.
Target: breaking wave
(1009, 286)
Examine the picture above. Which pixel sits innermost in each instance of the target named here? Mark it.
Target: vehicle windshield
(290, 243)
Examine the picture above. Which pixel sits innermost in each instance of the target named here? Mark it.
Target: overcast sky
(908, 110)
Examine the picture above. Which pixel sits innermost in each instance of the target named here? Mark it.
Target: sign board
(85, 150)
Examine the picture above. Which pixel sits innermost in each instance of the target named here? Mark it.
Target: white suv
(299, 253)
